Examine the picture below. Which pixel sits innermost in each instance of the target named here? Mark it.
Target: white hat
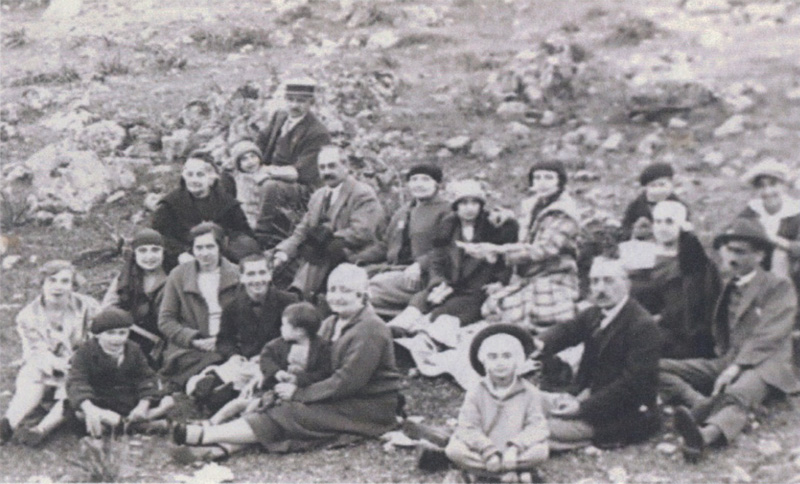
(462, 189)
(769, 167)
(300, 85)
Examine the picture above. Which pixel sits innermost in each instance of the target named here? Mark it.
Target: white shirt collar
(613, 312)
(335, 192)
(292, 122)
(746, 279)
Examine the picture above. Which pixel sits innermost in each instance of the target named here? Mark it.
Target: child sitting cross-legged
(502, 431)
(110, 382)
(299, 356)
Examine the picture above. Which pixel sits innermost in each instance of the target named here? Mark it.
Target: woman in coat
(202, 196)
(194, 295)
(361, 396)
(51, 327)
(139, 290)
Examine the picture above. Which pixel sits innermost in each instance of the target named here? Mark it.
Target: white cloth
(208, 282)
(334, 192)
(771, 223)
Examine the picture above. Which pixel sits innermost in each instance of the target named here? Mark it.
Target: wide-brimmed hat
(300, 85)
(769, 167)
(746, 229)
(517, 332)
(243, 147)
(111, 318)
(463, 189)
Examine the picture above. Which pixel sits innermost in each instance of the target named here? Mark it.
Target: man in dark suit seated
(290, 145)
(613, 399)
(753, 346)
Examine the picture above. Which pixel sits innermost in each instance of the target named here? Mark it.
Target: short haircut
(355, 275)
(53, 267)
(613, 261)
(331, 151)
(255, 258)
(208, 228)
(202, 155)
(303, 315)
(672, 205)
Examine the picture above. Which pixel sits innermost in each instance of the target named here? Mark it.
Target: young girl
(299, 356)
(51, 327)
(139, 289)
(249, 175)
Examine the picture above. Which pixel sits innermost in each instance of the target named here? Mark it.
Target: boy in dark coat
(657, 181)
(110, 380)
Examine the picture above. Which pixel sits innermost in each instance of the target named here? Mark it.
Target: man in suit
(343, 219)
(613, 399)
(290, 145)
(752, 335)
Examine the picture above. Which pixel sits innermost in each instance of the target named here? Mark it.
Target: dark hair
(202, 155)
(555, 166)
(208, 228)
(303, 315)
(255, 258)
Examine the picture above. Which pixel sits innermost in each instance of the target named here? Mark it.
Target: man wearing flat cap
(290, 145)
(752, 326)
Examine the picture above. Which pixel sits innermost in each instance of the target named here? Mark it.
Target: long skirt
(370, 416)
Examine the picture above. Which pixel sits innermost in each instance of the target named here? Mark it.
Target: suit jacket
(299, 147)
(758, 335)
(637, 209)
(275, 357)
(620, 368)
(354, 217)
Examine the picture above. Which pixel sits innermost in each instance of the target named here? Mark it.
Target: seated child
(502, 431)
(656, 179)
(110, 381)
(299, 356)
(249, 175)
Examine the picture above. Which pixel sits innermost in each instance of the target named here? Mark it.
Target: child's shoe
(32, 437)
(6, 432)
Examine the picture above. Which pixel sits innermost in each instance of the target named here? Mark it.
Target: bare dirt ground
(145, 60)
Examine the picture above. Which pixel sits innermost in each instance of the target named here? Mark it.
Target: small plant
(15, 209)
(237, 38)
(112, 67)
(165, 61)
(419, 38)
(15, 38)
(64, 75)
(102, 460)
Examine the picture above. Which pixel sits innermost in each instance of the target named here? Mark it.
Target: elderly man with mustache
(343, 219)
(613, 399)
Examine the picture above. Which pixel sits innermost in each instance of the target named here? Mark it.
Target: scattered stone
(43, 217)
(618, 474)
(18, 172)
(585, 135)
(176, 144)
(734, 125)
(651, 143)
(118, 195)
(666, 448)
(793, 94)
(775, 132)
(512, 110)
(592, 451)
(769, 448)
(444, 153)
(549, 118)
(714, 158)
(71, 121)
(65, 221)
(795, 452)
(161, 170)
(658, 100)
(613, 142)
(739, 475)
(766, 12)
(457, 143)
(102, 137)
(706, 6)
(678, 123)
(383, 39)
(151, 201)
(518, 129)
(33, 260)
(777, 472)
(10, 261)
(486, 148)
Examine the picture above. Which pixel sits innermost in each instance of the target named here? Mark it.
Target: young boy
(299, 356)
(502, 430)
(249, 175)
(658, 185)
(110, 380)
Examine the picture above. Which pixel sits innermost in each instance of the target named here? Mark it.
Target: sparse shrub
(16, 209)
(24, 4)
(472, 62)
(632, 31)
(15, 38)
(475, 102)
(112, 67)
(64, 75)
(102, 460)
(167, 61)
(237, 38)
(418, 38)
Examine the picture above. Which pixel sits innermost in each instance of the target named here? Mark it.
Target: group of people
(195, 309)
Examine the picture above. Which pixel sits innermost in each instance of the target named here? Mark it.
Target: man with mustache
(290, 145)
(612, 401)
(752, 328)
(343, 220)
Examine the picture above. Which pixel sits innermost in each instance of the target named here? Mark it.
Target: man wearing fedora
(290, 145)
(752, 326)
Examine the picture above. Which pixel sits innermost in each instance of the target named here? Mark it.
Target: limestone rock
(62, 10)
(486, 148)
(549, 118)
(734, 125)
(618, 475)
(793, 94)
(518, 129)
(739, 475)
(64, 221)
(714, 158)
(775, 132)
(678, 123)
(457, 143)
(769, 12)
(43, 217)
(10, 261)
(383, 39)
(667, 448)
(613, 142)
(512, 110)
(769, 448)
(118, 195)
(71, 179)
(102, 137)
(707, 6)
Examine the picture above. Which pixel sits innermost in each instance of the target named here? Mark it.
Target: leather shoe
(693, 444)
